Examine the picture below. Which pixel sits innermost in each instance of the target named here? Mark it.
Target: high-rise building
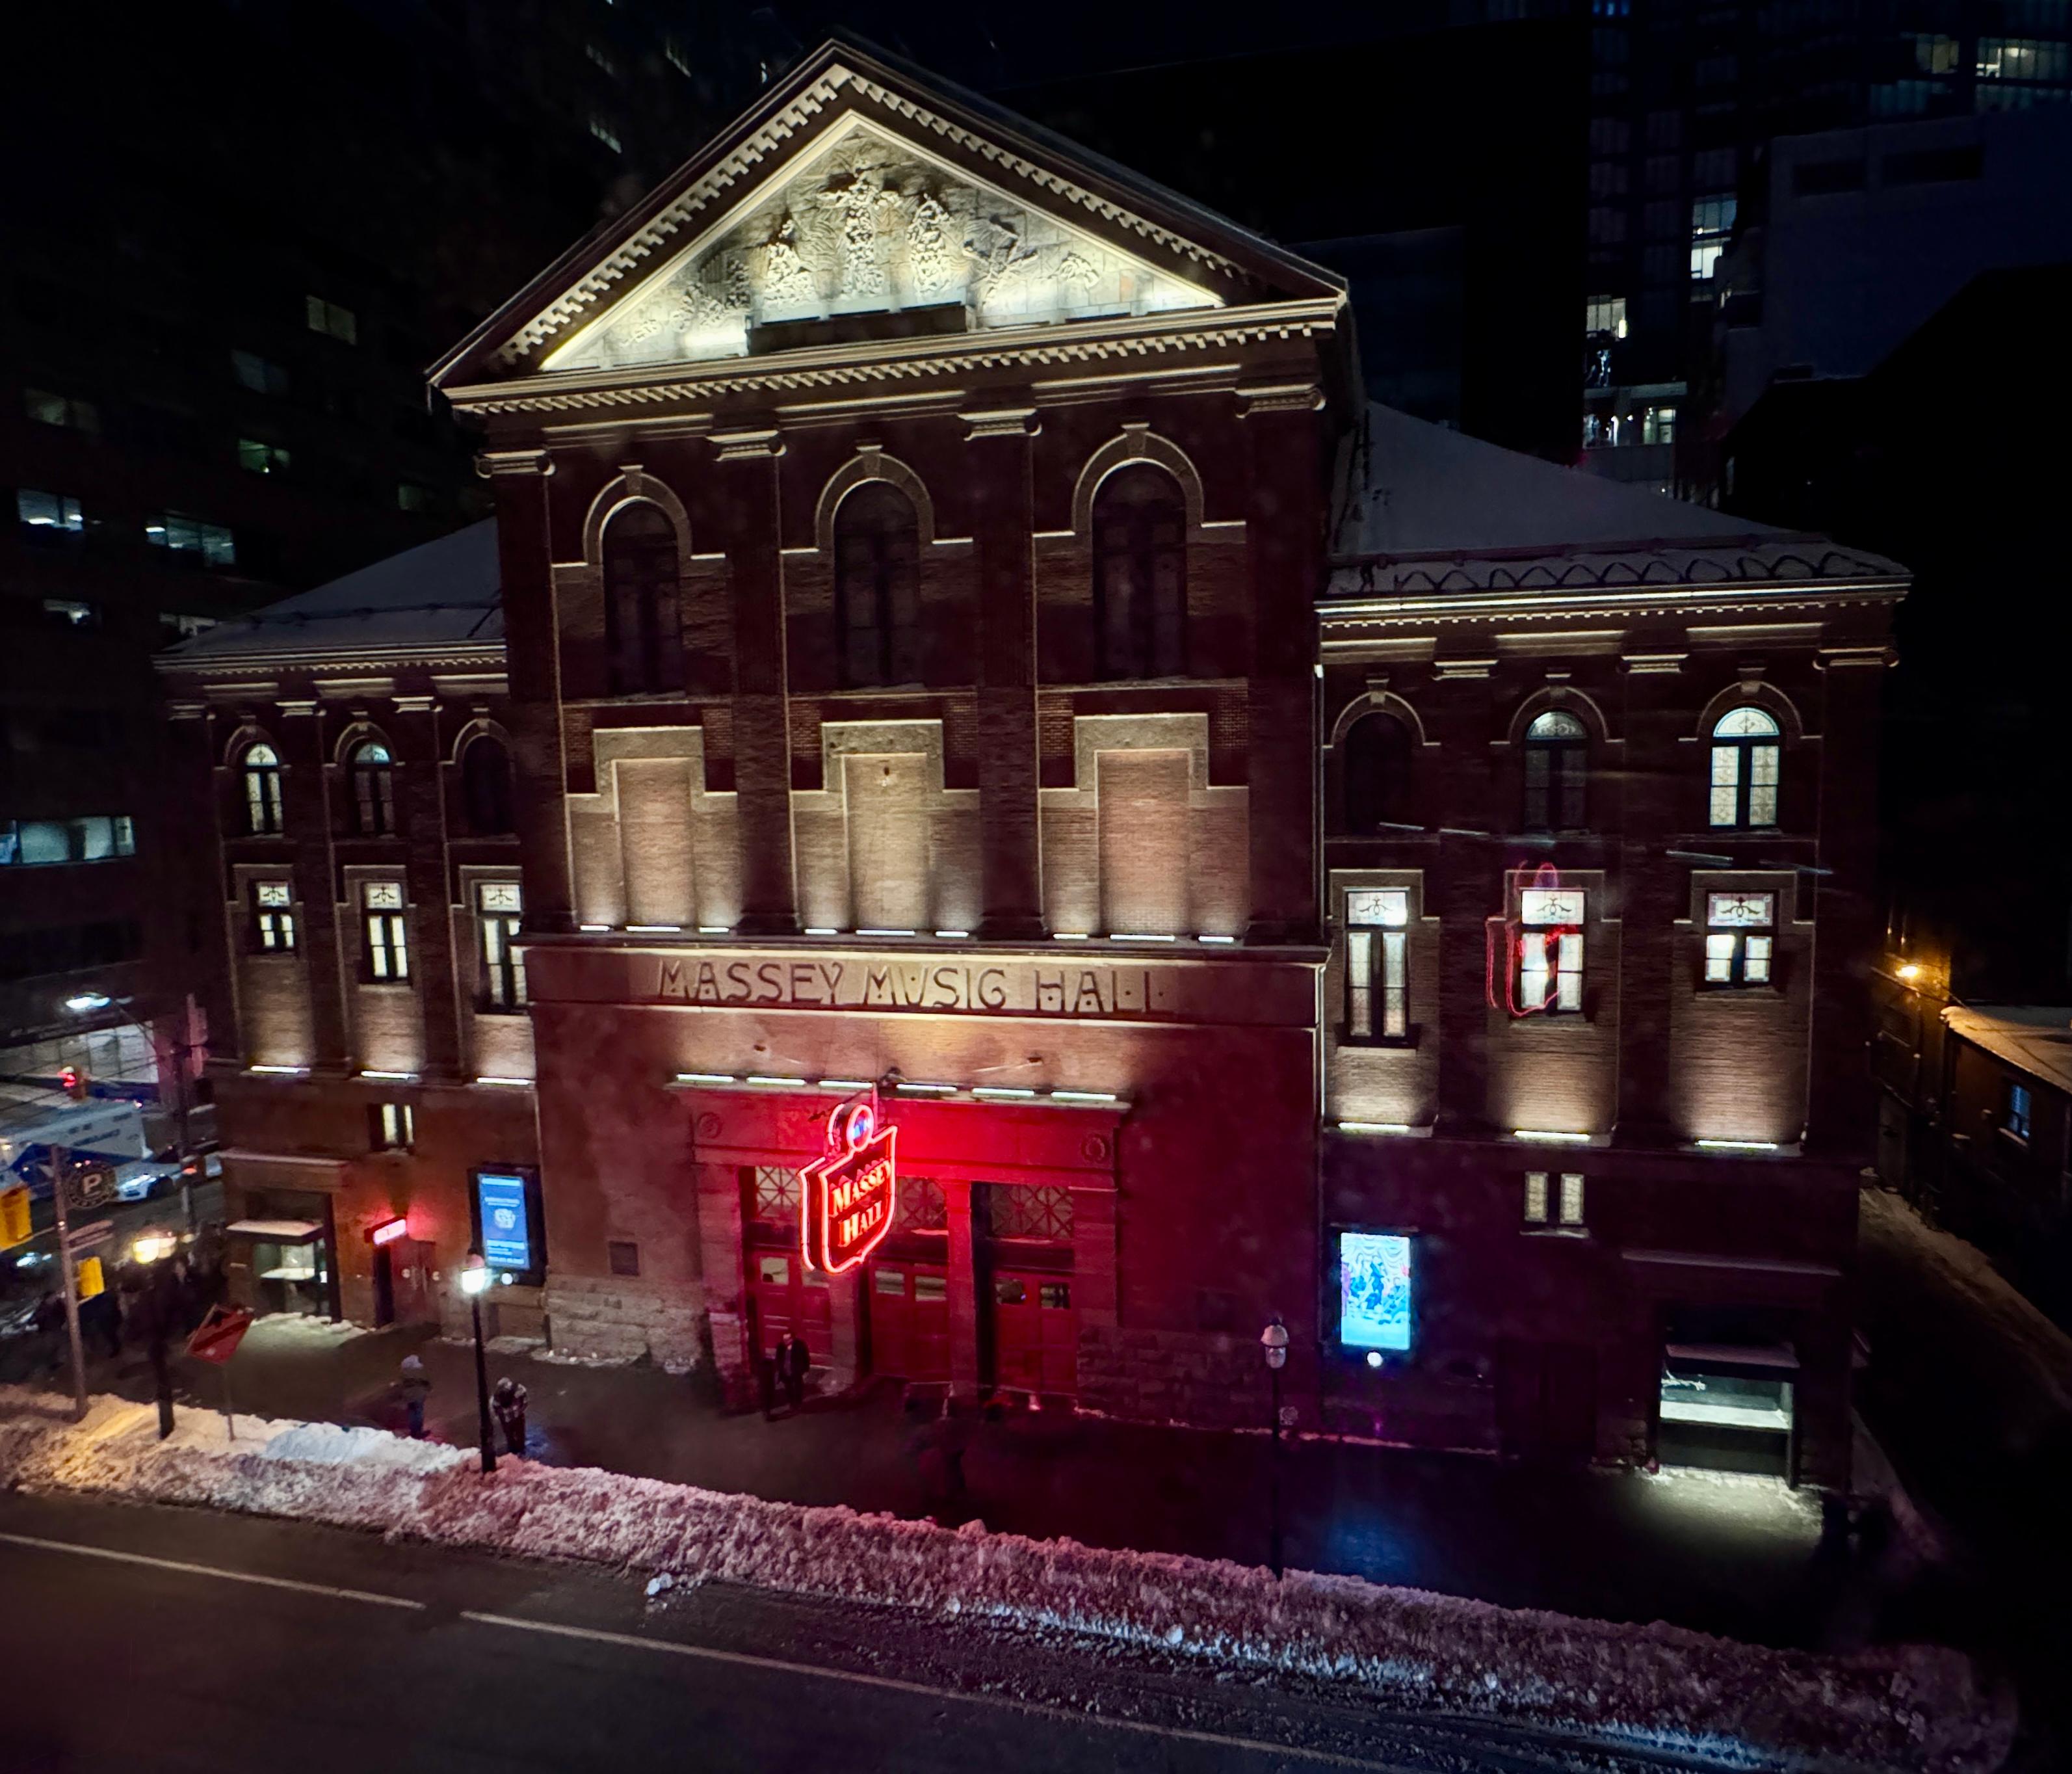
(236, 236)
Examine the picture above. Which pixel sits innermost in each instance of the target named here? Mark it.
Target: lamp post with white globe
(476, 1277)
(1273, 1345)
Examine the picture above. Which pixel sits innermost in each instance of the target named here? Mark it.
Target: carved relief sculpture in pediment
(871, 224)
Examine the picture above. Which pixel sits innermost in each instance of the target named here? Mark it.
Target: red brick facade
(1033, 844)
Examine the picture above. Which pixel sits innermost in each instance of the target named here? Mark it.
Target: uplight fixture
(1550, 1136)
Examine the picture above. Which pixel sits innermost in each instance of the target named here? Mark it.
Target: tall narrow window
(1739, 938)
(273, 916)
(392, 1127)
(1745, 768)
(1140, 535)
(642, 631)
(1377, 963)
(373, 773)
(388, 939)
(2017, 1121)
(1550, 950)
(1375, 775)
(485, 782)
(1557, 749)
(877, 586)
(499, 906)
(261, 769)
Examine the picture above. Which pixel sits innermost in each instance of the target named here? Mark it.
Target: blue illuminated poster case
(1373, 1290)
(503, 1205)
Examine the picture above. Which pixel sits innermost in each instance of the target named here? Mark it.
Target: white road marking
(1321, 1758)
(1289, 1752)
(209, 1570)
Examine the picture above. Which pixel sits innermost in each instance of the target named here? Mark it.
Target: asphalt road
(137, 1638)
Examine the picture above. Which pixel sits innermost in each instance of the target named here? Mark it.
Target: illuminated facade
(1599, 780)
(915, 548)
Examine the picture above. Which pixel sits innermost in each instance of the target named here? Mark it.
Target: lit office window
(1550, 949)
(273, 916)
(1377, 963)
(388, 939)
(329, 319)
(1745, 768)
(499, 908)
(1738, 938)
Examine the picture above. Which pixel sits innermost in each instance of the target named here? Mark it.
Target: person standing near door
(415, 1385)
(795, 1361)
(509, 1402)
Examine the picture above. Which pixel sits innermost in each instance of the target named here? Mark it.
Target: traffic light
(78, 1086)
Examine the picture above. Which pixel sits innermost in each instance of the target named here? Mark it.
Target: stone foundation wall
(622, 1317)
(1214, 1381)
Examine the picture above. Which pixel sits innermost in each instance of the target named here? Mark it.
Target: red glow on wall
(389, 1231)
(847, 1195)
(1508, 942)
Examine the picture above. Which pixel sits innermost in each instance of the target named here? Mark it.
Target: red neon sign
(1509, 944)
(389, 1231)
(846, 1204)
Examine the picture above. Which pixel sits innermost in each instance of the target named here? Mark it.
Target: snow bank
(1913, 1708)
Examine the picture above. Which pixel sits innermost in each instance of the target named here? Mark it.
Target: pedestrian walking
(795, 1362)
(415, 1385)
(509, 1402)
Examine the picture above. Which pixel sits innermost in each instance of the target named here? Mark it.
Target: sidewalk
(1970, 1390)
(1725, 1555)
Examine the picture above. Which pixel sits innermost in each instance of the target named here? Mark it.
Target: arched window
(1376, 773)
(485, 785)
(644, 636)
(877, 586)
(1745, 768)
(373, 773)
(1140, 526)
(1557, 752)
(261, 766)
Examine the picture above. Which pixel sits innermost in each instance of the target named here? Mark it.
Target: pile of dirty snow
(1919, 1709)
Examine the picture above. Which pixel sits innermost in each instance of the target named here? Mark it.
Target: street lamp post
(1273, 1345)
(475, 1280)
(161, 1306)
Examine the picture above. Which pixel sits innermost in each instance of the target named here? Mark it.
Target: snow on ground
(295, 1329)
(1918, 1709)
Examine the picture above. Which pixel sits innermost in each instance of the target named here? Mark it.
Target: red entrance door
(909, 1321)
(1035, 1333)
(789, 1296)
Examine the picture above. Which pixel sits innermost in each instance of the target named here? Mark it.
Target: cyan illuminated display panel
(1373, 1290)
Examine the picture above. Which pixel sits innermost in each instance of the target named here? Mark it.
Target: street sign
(14, 1217)
(216, 1338)
(93, 1186)
(91, 1280)
(846, 1204)
(87, 1236)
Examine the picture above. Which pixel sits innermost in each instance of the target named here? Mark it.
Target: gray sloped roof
(2036, 1039)
(1422, 508)
(438, 598)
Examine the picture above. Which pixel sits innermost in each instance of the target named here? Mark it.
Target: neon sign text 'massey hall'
(846, 1204)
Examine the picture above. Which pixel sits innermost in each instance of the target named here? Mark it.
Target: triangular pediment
(868, 222)
(857, 188)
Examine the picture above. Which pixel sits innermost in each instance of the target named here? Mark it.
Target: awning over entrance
(285, 1232)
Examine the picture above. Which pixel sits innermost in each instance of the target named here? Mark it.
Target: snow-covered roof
(2036, 1039)
(440, 599)
(1424, 509)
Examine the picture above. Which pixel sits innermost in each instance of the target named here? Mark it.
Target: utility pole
(60, 1184)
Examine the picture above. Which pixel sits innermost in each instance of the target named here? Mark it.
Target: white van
(109, 1129)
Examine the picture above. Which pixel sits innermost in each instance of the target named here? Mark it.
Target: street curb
(1917, 1709)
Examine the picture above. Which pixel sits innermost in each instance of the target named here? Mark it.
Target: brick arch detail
(1138, 442)
(631, 486)
(868, 464)
(1377, 702)
(1570, 701)
(1757, 694)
